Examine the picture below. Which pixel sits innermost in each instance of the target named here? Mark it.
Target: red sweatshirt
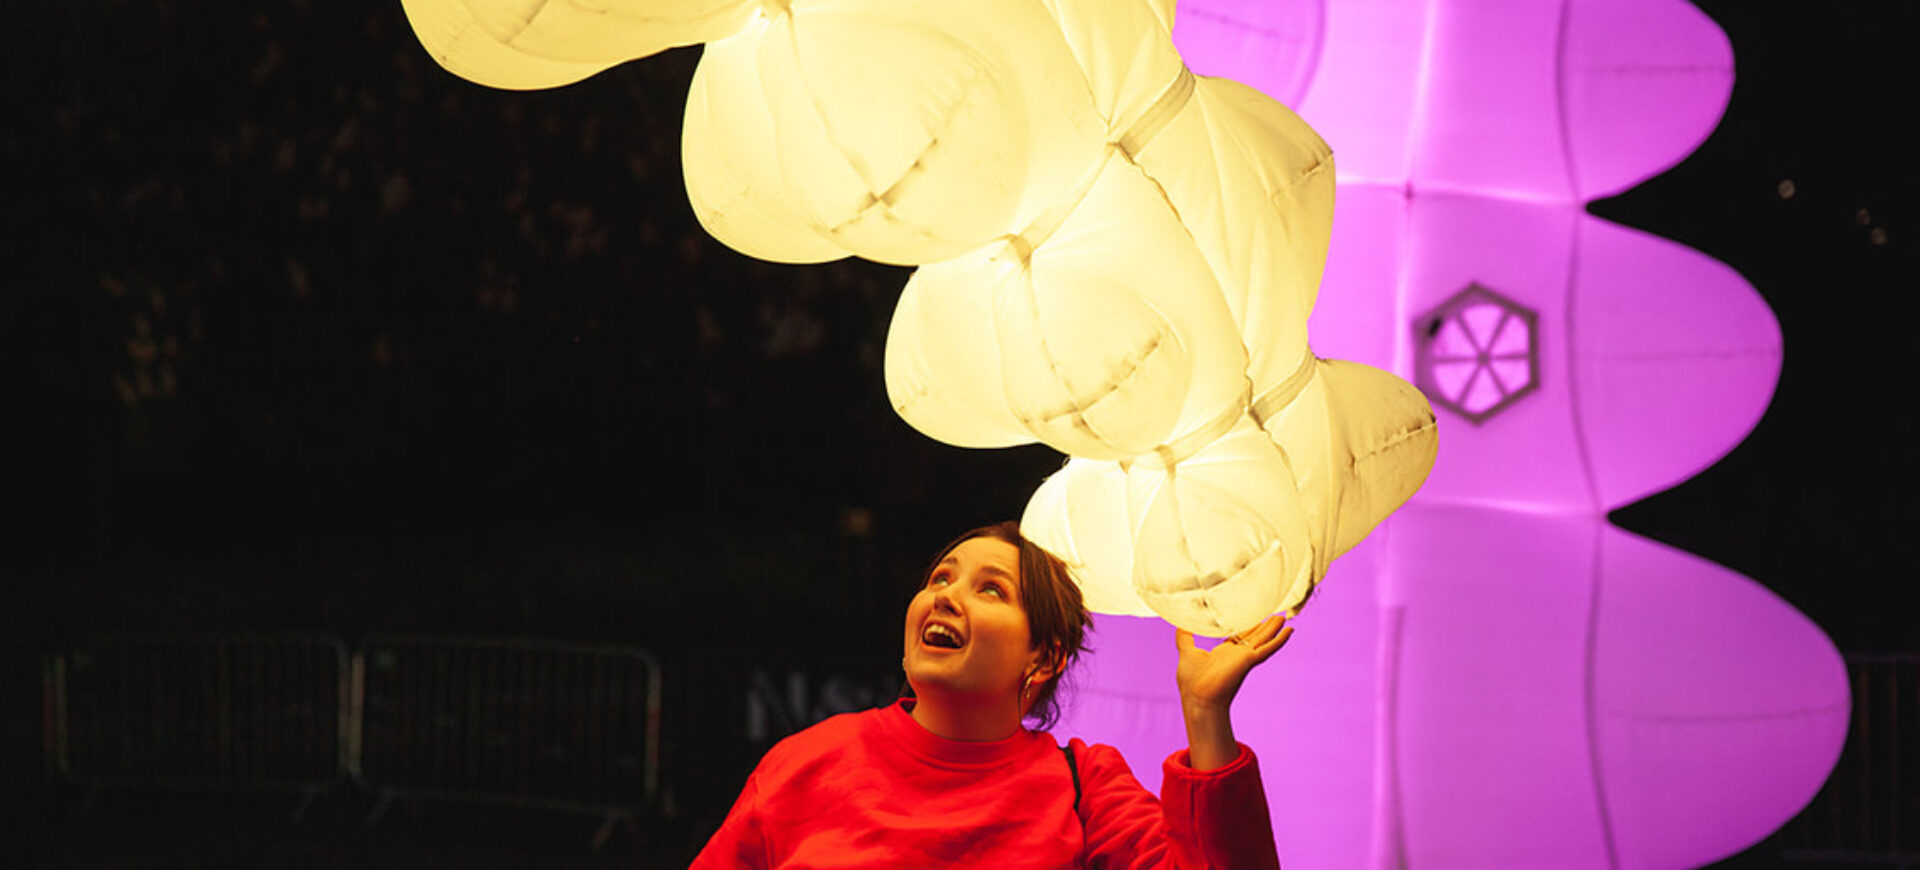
(875, 789)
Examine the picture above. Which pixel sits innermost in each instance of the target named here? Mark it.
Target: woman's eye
(994, 591)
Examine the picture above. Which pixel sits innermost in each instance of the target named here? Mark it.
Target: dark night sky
(315, 335)
(1816, 501)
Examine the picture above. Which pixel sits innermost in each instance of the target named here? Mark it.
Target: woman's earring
(1026, 688)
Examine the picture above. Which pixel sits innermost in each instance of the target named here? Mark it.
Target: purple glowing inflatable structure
(1498, 677)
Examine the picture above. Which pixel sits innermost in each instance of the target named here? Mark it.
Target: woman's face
(966, 631)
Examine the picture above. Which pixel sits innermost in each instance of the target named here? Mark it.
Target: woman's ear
(1045, 666)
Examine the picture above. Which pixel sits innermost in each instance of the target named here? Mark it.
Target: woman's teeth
(940, 636)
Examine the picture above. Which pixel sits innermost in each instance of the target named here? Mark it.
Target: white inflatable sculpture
(1117, 258)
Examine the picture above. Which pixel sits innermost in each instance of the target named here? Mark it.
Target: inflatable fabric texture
(1499, 678)
(1121, 240)
(1116, 257)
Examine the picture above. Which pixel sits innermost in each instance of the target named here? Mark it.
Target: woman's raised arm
(1209, 679)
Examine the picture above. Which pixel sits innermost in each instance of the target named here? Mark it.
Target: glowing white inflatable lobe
(1117, 258)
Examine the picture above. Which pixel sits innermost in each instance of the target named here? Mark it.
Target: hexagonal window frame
(1486, 353)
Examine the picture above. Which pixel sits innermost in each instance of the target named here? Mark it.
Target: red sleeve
(1204, 819)
(739, 842)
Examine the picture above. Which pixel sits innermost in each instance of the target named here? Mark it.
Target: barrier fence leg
(607, 824)
(380, 807)
(301, 806)
(85, 806)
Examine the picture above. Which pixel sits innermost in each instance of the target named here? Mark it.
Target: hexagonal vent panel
(1477, 353)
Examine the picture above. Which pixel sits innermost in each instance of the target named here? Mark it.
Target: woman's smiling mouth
(941, 637)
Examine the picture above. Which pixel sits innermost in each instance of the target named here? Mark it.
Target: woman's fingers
(1183, 641)
(1266, 631)
(1266, 650)
(1260, 641)
(1209, 679)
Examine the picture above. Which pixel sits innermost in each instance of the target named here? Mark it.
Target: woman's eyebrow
(997, 571)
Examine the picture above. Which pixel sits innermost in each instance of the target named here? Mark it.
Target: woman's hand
(1209, 679)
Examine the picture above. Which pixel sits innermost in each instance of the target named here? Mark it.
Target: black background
(309, 334)
(315, 333)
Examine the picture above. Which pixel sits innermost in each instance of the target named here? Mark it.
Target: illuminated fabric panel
(1498, 677)
(1120, 256)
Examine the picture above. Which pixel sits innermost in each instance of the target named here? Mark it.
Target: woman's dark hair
(1057, 618)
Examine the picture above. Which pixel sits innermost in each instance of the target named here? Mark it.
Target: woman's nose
(943, 599)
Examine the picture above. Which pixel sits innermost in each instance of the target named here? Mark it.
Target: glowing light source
(1117, 258)
(1499, 678)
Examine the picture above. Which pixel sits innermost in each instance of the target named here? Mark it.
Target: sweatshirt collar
(916, 739)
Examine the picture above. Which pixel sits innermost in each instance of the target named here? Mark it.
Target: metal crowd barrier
(577, 727)
(1868, 814)
(241, 711)
(730, 703)
(572, 727)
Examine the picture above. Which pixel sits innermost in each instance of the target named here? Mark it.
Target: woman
(949, 777)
